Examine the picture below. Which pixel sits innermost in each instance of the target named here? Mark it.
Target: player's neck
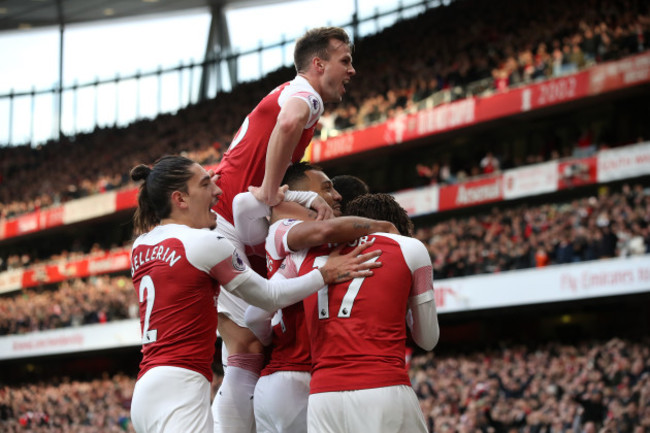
(174, 220)
(312, 80)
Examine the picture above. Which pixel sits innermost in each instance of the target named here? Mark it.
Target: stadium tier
(612, 78)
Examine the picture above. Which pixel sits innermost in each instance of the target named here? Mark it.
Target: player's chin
(213, 220)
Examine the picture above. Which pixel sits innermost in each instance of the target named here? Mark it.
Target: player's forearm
(336, 230)
(250, 217)
(424, 329)
(278, 158)
(271, 295)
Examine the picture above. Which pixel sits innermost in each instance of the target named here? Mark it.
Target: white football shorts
(391, 409)
(281, 402)
(171, 400)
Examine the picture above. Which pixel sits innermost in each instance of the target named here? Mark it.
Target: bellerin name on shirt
(159, 252)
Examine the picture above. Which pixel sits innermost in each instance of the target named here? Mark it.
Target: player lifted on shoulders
(272, 136)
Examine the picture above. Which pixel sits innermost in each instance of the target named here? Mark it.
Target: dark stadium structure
(518, 363)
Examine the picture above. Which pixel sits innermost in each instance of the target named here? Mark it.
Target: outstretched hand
(340, 268)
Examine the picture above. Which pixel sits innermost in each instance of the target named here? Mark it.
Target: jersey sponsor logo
(237, 262)
(313, 102)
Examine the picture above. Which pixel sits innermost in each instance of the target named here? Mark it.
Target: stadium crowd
(73, 303)
(501, 49)
(555, 387)
(68, 406)
(613, 224)
(591, 386)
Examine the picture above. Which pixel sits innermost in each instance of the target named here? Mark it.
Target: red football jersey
(357, 329)
(176, 273)
(243, 164)
(290, 341)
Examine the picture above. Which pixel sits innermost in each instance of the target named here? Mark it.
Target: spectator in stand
(427, 173)
(590, 43)
(489, 163)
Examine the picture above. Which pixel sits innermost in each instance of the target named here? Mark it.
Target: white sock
(232, 408)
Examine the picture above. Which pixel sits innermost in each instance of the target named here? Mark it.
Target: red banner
(96, 265)
(33, 222)
(471, 193)
(619, 74)
(126, 199)
(577, 172)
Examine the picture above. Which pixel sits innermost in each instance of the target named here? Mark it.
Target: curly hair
(382, 207)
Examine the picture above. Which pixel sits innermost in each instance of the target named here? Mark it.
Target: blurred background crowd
(487, 48)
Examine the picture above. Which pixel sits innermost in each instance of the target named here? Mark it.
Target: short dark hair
(381, 206)
(315, 43)
(168, 174)
(350, 187)
(296, 173)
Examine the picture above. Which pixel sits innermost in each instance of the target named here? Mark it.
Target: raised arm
(289, 126)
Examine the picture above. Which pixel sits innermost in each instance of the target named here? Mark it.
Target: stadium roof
(26, 14)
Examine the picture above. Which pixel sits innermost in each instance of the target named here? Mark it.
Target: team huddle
(270, 254)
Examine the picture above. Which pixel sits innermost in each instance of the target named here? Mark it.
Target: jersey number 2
(148, 335)
(348, 300)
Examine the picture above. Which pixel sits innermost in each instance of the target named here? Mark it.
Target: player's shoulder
(399, 239)
(413, 250)
(284, 222)
(299, 84)
(278, 231)
(205, 238)
(301, 88)
(160, 234)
